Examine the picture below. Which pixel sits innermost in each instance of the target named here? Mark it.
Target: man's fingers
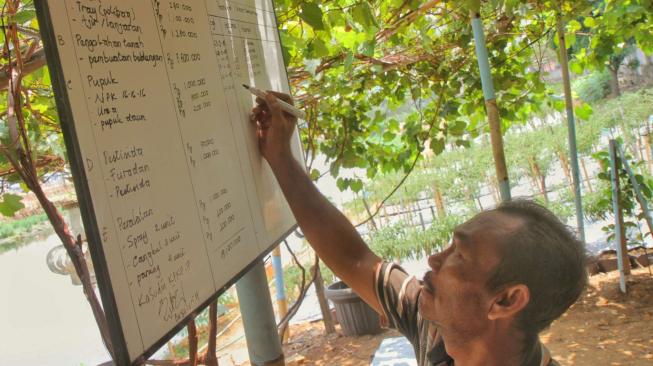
(283, 96)
(273, 104)
(260, 117)
(268, 108)
(286, 98)
(260, 110)
(261, 102)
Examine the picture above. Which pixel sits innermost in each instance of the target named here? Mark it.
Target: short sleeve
(398, 294)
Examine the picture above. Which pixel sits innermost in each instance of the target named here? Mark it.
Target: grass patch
(17, 233)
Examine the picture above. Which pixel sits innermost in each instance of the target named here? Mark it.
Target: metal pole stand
(263, 344)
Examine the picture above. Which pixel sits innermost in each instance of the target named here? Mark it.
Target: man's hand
(274, 127)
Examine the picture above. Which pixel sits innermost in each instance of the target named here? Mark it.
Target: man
(508, 273)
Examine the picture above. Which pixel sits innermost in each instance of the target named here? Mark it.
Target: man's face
(454, 295)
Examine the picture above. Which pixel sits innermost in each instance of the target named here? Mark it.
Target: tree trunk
(470, 197)
(495, 189)
(76, 254)
(369, 213)
(402, 209)
(564, 163)
(324, 305)
(629, 142)
(534, 183)
(539, 178)
(439, 202)
(614, 82)
(385, 216)
(647, 146)
(192, 342)
(544, 190)
(588, 182)
(647, 67)
(542, 180)
(210, 358)
(640, 144)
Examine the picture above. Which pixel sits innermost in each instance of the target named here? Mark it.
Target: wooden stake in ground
(324, 305)
(620, 237)
(210, 358)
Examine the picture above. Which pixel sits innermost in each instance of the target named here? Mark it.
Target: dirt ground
(604, 327)
(310, 344)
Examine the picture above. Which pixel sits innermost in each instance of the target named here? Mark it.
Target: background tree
(614, 28)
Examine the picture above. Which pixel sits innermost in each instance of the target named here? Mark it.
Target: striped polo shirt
(398, 294)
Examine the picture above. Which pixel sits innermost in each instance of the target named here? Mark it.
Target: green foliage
(202, 319)
(292, 280)
(412, 84)
(14, 227)
(610, 31)
(390, 241)
(601, 207)
(327, 274)
(226, 299)
(597, 205)
(459, 173)
(402, 240)
(583, 111)
(11, 203)
(593, 86)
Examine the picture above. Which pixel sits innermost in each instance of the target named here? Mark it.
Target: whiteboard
(176, 199)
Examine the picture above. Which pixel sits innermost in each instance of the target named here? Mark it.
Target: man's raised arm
(329, 232)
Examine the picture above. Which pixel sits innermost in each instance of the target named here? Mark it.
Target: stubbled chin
(425, 304)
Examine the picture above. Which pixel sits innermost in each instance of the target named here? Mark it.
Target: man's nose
(435, 261)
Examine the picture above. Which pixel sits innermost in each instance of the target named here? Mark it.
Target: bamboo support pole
(571, 128)
(491, 107)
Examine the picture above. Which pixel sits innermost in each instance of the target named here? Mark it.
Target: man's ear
(509, 301)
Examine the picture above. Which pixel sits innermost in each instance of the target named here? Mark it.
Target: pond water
(45, 319)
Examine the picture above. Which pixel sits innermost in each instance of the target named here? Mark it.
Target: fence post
(638, 192)
(421, 220)
(620, 240)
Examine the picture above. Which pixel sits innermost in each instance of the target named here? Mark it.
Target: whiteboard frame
(76, 161)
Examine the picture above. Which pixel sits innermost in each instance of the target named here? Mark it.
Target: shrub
(593, 87)
(404, 241)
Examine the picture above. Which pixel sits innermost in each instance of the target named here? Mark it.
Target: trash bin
(354, 315)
